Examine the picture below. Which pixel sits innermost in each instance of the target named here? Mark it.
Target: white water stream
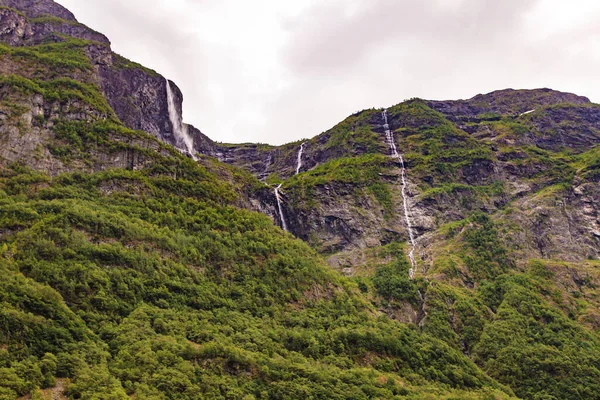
(183, 141)
(526, 112)
(299, 163)
(411, 234)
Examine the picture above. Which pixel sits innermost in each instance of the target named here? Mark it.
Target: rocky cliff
(137, 95)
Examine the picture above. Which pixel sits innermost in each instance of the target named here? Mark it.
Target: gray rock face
(14, 27)
(560, 225)
(343, 220)
(138, 98)
(26, 23)
(202, 143)
(39, 8)
(504, 102)
(263, 160)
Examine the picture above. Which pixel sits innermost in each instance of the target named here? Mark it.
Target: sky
(276, 71)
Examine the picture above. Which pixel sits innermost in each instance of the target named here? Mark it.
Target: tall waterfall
(281, 217)
(183, 141)
(411, 234)
(299, 162)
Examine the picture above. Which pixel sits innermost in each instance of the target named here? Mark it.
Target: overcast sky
(275, 71)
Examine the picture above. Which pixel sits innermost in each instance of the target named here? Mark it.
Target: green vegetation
(486, 257)
(520, 327)
(435, 150)
(453, 313)
(55, 59)
(61, 90)
(391, 280)
(50, 19)
(542, 166)
(415, 114)
(517, 336)
(13, 10)
(588, 165)
(533, 347)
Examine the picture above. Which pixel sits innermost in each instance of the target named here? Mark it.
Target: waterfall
(281, 217)
(390, 140)
(183, 141)
(299, 162)
(189, 141)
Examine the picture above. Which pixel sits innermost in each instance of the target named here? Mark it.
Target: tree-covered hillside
(128, 283)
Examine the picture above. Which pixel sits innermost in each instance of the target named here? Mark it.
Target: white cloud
(274, 71)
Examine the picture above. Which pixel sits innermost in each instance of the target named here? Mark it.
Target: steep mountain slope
(505, 208)
(133, 270)
(129, 269)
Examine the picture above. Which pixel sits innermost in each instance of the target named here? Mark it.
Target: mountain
(436, 249)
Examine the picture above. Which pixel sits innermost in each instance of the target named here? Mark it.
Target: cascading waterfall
(390, 140)
(278, 195)
(183, 141)
(299, 162)
(281, 217)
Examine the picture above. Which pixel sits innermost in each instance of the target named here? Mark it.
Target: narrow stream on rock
(390, 140)
(281, 217)
(183, 141)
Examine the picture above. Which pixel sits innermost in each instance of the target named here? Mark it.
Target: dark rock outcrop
(565, 126)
